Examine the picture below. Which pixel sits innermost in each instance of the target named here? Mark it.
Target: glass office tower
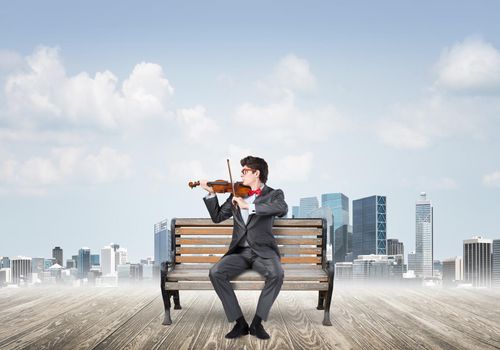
(341, 234)
(369, 226)
(424, 235)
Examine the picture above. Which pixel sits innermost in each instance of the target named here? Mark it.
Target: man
(253, 245)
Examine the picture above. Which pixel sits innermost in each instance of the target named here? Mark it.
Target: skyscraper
(424, 235)
(295, 211)
(369, 226)
(307, 205)
(4, 262)
(395, 247)
(108, 261)
(57, 253)
(162, 242)
(477, 261)
(453, 270)
(94, 260)
(327, 214)
(341, 234)
(495, 263)
(83, 263)
(20, 269)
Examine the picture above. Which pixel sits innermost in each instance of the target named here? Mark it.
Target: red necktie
(256, 192)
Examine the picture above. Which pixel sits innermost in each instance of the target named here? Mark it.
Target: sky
(109, 109)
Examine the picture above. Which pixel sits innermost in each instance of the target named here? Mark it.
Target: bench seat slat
(223, 250)
(224, 240)
(294, 275)
(286, 267)
(244, 285)
(277, 222)
(228, 230)
(214, 259)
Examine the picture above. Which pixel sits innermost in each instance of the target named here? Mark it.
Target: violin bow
(230, 176)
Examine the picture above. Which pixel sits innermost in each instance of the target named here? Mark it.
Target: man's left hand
(241, 203)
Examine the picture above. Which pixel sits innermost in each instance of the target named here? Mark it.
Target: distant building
(424, 250)
(57, 253)
(395, 247)
(453, 270)
(477, 261)
(162, 243)
(369, 226)
(37, 265)
(4, 262)
(341, 234)
(307, 205)
(75, 259)
(376, 267)
(5, 276)
(412, 261)
(495, 263)
(95, 260)
(108, 261)
(20, 269)
(70, 264)
(327, 214)
(83, 264)
(343, 271)
(295, 211)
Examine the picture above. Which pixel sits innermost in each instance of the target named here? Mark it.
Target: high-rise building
(121, 256)
(495, 263)
(395, 247)
(94, 260)
(295, 211)
(453, 270)
(369, 234)
(57, 253)
(341, 234)
(20, 269)
(424, 235)
(162, 242)
(4, 262)
(108, 261)
(70, 264)
(37, 265)
(307, 205)
(75, 259)
(477, 261)
(327, 214)
(412, 261)
(83, 263)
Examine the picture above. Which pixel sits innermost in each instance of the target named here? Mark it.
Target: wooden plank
(214, 259)
(224, 230)
(200, 275)
(286, 267)
(219, 241)
(277, 222)
(244, 285)
(223, 250)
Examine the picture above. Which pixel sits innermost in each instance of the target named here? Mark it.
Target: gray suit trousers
(233, 265)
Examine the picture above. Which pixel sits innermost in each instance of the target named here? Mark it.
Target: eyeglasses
(244, 171)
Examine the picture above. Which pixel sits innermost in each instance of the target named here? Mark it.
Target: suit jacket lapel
(257, 200)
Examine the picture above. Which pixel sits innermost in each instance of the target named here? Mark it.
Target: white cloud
(45, 94)
(283, 121)
(492, 180)
(294, 73)
(470, 65)
(69, 165)
(292, 168)
(197, 125)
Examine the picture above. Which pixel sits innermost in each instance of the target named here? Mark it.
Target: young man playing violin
(253, 245)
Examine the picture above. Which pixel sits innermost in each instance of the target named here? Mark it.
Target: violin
(222, 186)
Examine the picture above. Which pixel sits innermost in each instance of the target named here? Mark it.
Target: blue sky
(107, 110)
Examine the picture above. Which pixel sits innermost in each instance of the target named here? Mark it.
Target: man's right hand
(203, 183)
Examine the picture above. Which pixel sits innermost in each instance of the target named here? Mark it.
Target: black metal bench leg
(177, 301)
(328, 301)
(321, 300)
(166, 294)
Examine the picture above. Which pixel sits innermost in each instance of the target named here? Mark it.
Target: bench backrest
(200, 241)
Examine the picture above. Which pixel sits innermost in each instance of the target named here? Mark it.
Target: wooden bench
(199, 243)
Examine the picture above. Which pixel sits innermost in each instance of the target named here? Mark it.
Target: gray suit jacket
(268, 204)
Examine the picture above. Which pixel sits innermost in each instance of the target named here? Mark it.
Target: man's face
(249, 176)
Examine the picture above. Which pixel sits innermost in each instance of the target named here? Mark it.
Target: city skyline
(103, 126)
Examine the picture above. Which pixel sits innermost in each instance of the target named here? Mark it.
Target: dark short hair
(256, 163)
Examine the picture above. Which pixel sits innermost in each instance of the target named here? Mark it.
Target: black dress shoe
(259, 331)
(238, 330)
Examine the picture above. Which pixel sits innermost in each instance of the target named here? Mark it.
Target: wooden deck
(130, 318)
